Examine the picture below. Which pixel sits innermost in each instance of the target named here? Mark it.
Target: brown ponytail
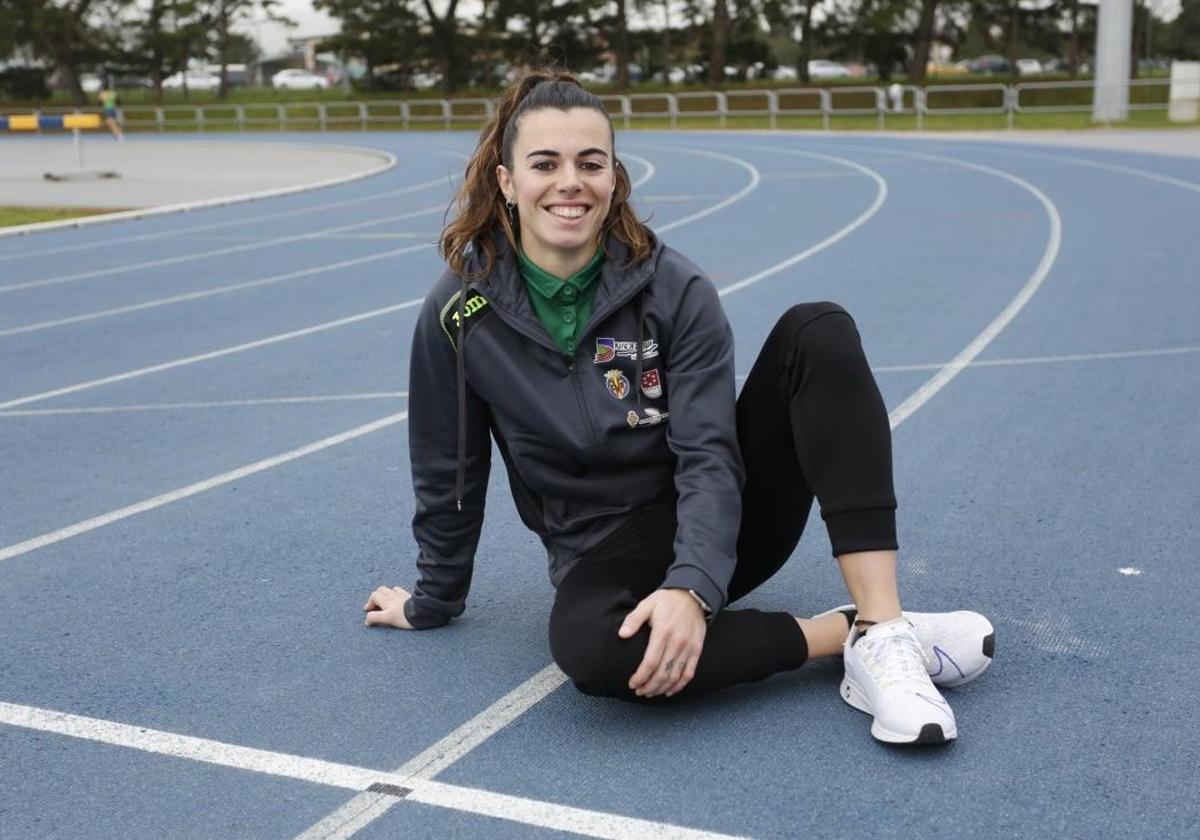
(479, 206)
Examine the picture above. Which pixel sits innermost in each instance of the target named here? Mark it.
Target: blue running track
(1033, 316)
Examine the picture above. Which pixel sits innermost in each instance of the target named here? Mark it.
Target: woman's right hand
(386, 607)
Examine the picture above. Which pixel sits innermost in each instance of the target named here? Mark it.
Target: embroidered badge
(653, 417)
(616, 383)
(652, 384)
(608, 349)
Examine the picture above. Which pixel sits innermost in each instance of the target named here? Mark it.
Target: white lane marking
(333, 774)
(993, 329)
(198, 487)
(111, 409)
(389, 161)
(647, 165)
(755, 178)
(1097, 164)
(213, 354)
(218, 290)
(674, 199)
(212, 252)
(367, 807)
(1045, 360)
(880, 197)
(429, 236)
(1129, 571)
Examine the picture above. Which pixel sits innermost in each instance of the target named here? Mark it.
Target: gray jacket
(642, 413)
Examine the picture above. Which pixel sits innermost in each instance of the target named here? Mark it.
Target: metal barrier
(828, 103)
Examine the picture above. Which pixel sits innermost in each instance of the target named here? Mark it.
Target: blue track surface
(1027, 484)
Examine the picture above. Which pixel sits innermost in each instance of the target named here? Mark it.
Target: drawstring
(461, 476)
(637, 385)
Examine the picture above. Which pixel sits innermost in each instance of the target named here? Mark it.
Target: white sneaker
(957, 646)
(886, 677)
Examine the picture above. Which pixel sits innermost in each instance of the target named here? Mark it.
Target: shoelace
(896, 660)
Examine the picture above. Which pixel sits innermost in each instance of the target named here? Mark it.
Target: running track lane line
(198, 487)
(1097, 164)
(217, 252)
(393, 786)
(218, 290)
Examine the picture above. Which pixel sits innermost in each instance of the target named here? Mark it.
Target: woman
(601, 363)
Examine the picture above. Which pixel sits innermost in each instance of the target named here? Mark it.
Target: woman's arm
(446, 536)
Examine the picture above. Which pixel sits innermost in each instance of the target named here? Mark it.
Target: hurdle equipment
(60, 122)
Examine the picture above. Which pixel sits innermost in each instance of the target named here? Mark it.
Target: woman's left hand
(677, 629)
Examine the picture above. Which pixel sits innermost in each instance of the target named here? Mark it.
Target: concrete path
(157, 171)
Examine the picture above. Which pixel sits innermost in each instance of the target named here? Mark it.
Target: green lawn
(10, 216)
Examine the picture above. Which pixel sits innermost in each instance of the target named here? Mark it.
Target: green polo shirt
(563, 306)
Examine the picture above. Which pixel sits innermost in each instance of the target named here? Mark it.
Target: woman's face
(562, 180)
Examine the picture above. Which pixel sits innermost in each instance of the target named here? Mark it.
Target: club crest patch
(475, 307)
(652, 384)
(608, 349)
(616, 383)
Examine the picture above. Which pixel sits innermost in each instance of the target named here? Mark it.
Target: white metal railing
(676, 109)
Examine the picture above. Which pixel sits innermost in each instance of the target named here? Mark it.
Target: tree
(380, 32)
(720, 36)
(71, 34)
(1180, 38)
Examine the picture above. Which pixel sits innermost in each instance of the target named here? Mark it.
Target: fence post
(881, 107)
(919, 104)
(1010, 103)
(826, 108)
(404, 114)
(673, 109)
(240, 111)
(321, 115)
(773, 108)
(160, 119)
(199, 119)
(722, 107)
(362, 115)
(281, 117)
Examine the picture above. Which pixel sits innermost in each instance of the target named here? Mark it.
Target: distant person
(601, 363)
(108, 104)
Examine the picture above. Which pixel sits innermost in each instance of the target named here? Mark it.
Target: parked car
(296, 79)
(821, 68)
(783, 73)
(195, 81)
(989, 65)
(1029, 67)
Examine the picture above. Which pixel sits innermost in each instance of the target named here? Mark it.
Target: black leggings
(810, 422)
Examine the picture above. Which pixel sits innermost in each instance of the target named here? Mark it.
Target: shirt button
(568, 316)
(568, 294)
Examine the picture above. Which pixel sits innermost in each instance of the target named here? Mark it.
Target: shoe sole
(940, 679)
(931, 733)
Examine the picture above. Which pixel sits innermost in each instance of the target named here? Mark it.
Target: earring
(512, 216)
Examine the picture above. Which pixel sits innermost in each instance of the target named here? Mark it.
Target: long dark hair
(479, 206)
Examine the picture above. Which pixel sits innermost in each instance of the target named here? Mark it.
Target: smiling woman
(601, 363)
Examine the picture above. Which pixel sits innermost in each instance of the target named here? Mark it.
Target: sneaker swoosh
(943, 658)
(941, 705)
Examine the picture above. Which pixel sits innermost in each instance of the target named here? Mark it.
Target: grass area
(11, 216)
